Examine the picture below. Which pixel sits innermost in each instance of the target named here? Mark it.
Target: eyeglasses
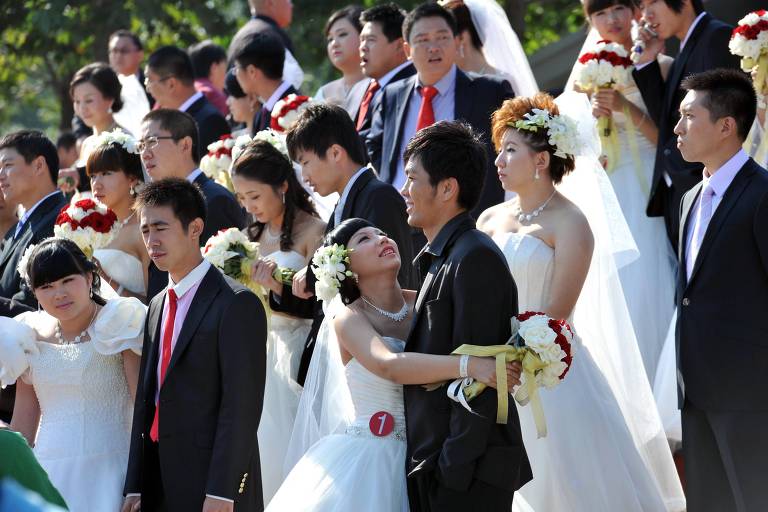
(150, 143)
(150, 83)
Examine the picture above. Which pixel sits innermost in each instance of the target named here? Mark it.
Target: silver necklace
(79, 337)
(269, 236)
(527, 217)
(399, 316)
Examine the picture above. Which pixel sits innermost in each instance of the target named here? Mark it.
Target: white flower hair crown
(118, 136)
(276, 139)
(330, 264)
(562, 132)
(24, 264)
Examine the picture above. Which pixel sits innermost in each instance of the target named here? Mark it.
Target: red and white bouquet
(90, 224)
(749, 41)
(542, 345)
(217, 162)
(286, 111)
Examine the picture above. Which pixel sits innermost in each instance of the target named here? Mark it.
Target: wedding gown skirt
(84, 434)
(285, 345)
(124, 268)
(648, 281)
(354, 470)
(589, 460)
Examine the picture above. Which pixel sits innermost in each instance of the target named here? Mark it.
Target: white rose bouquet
(330, 265)
(749, 41)
(286, 111)
(88, 223)
(543, 347)
(217, 162)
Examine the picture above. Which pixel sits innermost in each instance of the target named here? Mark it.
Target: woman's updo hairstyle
(114, 157)
(103, 78)
(261, 161)
(464, 21)
(514, 110)
(341, 235)
(56, 258)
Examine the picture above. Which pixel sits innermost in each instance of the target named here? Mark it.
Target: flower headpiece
(24, 263)
(562, 132)
(275, 139)
(330, 264)
(118, 136)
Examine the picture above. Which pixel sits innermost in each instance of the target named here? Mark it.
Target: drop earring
(132, 191)
(461, 51)
(536, 175)
(282, 198)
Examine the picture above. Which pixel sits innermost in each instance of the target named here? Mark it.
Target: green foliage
(547, 20)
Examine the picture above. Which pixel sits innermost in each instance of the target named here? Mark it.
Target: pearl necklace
(399, 316)
(79, 337)
(527, 217)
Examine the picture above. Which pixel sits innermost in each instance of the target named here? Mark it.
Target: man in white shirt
(125, 55)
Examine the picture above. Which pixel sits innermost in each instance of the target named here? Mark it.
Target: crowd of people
(409, 216)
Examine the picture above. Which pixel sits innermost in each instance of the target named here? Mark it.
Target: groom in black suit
(704, 46)
(457, 460)
(438, 91)
(201, 382)
(722, 297)
(331, 155)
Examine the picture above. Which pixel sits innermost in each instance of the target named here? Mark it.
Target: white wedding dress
(124, 268)
(649, 281)
(354, 470)
(86, 409)
(589, 460)
(285, 345)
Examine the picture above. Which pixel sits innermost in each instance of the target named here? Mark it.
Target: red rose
(522, 317)
(86, 204)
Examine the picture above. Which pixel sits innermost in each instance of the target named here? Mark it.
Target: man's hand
(131, 504)
(653, 45)
(217, 505)
(69, 179)
(299, 288)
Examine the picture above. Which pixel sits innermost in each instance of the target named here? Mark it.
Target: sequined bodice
(371, 394)
(84, 401)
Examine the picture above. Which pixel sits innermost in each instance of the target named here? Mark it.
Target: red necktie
(366, 103)
(165, 358)
(426, 112)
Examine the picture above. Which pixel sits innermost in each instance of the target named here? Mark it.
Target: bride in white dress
(116, 175)
(356, 454)
(75, 364)
(605, 448)
(288, 231)
(649, 281)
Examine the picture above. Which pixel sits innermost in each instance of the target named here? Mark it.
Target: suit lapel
(400, 114)
(27, 231)
(153, 324)
(729, 200)
(688, 202)
(676, 74)
(206, 292)
(462, 103)
(354, 191)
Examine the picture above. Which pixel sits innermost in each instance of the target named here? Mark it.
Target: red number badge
(382, 424)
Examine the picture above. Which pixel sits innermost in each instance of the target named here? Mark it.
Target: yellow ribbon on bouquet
(527, 394)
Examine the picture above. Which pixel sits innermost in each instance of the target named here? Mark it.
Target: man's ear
(448, 190)
(195, 228)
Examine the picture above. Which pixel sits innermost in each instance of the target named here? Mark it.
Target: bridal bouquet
(331, 266)
(219, 159)
(286, 111)
(89, 224)
(750, 42)
(607, 66)
(542, 345)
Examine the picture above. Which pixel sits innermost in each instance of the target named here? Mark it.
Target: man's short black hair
(390, 18)
(204, 55)
(450, 149)
(730, 93)
(178, 124)
(322, 125)
(127, 33)
(31, 144)
(172, 61)
(265, 51)
(428, 10)
(66, 140)
(185, 199)
(677, 5)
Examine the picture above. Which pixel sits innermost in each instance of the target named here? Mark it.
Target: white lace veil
(501, 46)
(325, 406)
(601, 316)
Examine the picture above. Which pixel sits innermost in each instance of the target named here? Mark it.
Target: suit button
(245, 475)
(667, 152)
(686, 301)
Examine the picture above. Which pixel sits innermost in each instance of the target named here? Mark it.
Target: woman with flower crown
(648, 282)
(114, 167)
(351, 419)
(605, 448)
(75, 363)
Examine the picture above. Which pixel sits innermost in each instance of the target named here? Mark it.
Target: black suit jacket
(378, 203)
(210, 401)
(222, 210)
(261, 121)
(468, 296)
(721, 339)
(706, 48)
(477, 97)
(210, 123)
(406, 72)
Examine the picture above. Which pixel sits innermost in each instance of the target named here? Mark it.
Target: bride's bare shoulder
(496, 218)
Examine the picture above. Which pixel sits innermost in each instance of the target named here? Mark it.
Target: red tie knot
(373, 86)
(172, 296)
(428, 92)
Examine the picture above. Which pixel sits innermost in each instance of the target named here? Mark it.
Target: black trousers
(726, 460)
(153, 497)
(426, 494)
